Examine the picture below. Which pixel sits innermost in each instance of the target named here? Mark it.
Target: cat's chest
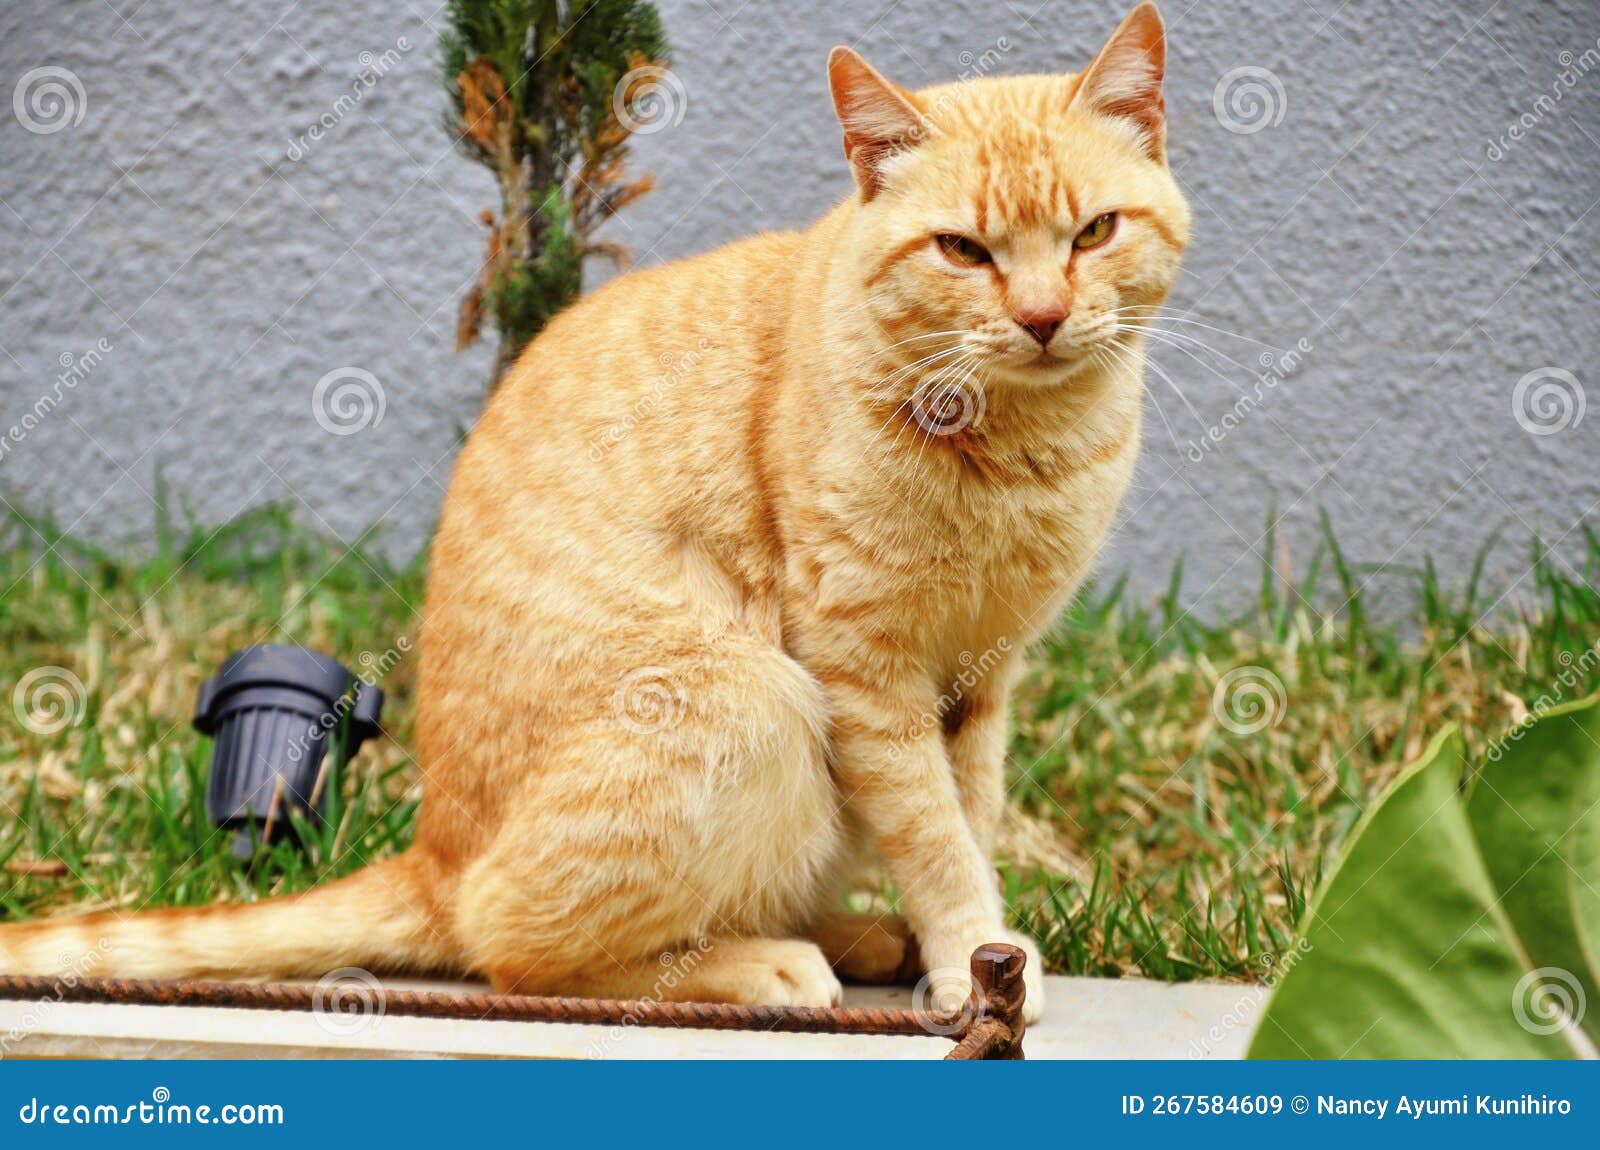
(1043, 523)
(976, 562)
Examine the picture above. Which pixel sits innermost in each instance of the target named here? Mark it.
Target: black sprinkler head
(272, 711)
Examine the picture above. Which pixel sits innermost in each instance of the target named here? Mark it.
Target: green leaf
(1441, 932)
(1533, 807)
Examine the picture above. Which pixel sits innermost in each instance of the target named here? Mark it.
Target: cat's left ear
(879, 119)
(1124, 80)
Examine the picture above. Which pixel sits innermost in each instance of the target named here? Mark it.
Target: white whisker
(1156, 312)
(1175, 340)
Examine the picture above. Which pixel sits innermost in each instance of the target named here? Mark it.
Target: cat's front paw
(950, 987)
(789, 972)
(1032, 976)
(949, 990)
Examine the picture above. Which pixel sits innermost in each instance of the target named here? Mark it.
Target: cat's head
(1018, 225)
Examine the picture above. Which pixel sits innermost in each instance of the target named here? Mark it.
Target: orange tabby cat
(735, 573)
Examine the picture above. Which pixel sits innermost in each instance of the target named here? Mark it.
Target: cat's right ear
(1124, 80)
(879, 119)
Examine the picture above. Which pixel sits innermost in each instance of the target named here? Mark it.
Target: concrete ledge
(1086, 1018)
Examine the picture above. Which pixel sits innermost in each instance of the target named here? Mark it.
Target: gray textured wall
(1353, 177)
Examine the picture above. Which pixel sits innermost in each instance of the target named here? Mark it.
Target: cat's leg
(867, 947)
(691, 803)
(753, 971)
(976, 735)
(976, 728)
(895, 768)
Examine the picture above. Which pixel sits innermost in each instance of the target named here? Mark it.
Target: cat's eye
(1097, 233)
(963, 251)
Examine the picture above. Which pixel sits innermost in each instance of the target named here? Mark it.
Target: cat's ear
(879, 119)
(1124, 80)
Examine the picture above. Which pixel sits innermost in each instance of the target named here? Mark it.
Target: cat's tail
(380, 919)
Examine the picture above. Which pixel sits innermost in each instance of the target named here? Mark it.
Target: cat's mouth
(1033, 365)
(1068, 356)
(1041, 365)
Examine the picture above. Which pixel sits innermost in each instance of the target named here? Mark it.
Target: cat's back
(638, 396)
(690, 318)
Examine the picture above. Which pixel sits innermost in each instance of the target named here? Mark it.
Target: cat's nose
(1041, 322)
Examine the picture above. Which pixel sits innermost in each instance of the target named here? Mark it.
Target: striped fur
(714, 618)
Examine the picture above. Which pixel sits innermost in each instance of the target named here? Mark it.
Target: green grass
(115, 802)
(1147, 835)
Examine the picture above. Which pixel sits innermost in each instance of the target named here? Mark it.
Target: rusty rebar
(995, 1024)
(986, 1040)
(996, 1029)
